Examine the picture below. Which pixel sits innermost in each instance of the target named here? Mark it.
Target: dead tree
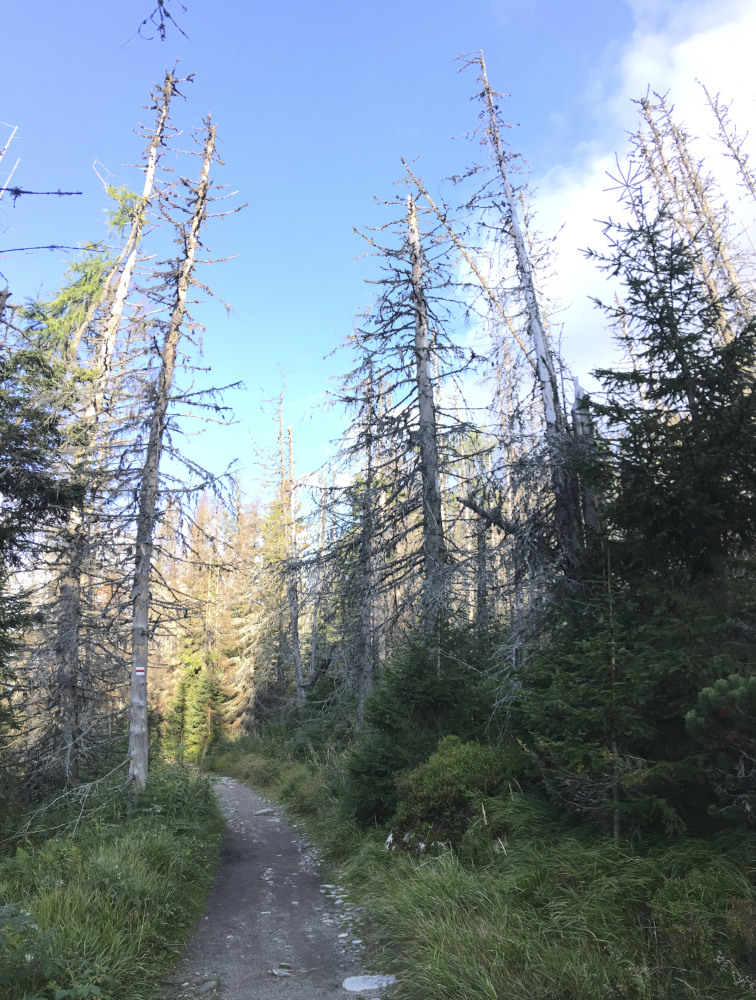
(663, 167)
(291, 568)
(182, 277)
(434, 548)
(497, 208)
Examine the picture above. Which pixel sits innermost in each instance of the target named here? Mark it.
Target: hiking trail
(271, 930)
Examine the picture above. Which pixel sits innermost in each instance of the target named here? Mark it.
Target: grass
(543, 911)
(104, 908)
(564, 920)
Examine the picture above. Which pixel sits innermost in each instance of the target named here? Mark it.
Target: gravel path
(271, 931)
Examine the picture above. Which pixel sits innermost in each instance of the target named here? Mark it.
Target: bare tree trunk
(318, 581)
(380, 613)
(148, 492)
(118, 281)
(67, 645)
(493, 299)
(365, 661)
(481, 576)
(732, 142)
(366, 568)
(585, 438)
(568, 525)
(365, 652)
(684, 192)
(434, 549)
(292, 582)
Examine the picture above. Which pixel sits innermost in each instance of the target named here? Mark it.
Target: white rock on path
(356, 984)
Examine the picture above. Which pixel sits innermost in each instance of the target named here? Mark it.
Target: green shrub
(29, 957)
(434, 685)
(442, 793)
(722, 723)
(702, 913)
(302, 789)
(309, 732)
(262, 772)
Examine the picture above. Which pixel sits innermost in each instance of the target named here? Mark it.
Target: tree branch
(493, 517)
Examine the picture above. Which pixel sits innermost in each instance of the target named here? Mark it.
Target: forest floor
(271, 930)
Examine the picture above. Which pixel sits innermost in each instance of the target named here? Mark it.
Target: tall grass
(563, 920)
(104, 909)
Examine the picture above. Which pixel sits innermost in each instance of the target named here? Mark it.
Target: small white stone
(356, 984)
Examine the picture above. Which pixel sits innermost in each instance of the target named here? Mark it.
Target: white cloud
(675, 42)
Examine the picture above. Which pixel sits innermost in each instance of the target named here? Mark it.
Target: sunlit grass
(109, 907)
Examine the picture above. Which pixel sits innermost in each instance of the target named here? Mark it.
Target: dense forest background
(502, 589)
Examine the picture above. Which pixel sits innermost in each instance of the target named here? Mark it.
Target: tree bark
(684, 193)
(566, 501)
(67, 645)
(434, 549)
(119, 280)
(366, 568)
(292, 581)
(481, 577)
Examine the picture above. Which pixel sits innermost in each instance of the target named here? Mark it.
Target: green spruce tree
(651, 623)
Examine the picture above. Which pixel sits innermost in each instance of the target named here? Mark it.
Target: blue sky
(315, 104)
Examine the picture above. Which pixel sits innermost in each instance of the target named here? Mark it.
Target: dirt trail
(271, 931)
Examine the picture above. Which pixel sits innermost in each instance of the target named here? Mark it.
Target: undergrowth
(477, 882)
(529, 907)
(100, 887)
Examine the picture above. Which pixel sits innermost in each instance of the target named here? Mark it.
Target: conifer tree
(34, 493)
(683, 461)
(606, 697)
(405, 345)
(244, 612)
(87, 327)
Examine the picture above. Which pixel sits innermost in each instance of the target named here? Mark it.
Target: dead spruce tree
(663, 165)
(366, 539)
(368, 562)
(174, 292)
(291, 564)
(75, 665)
(434, 548)
(405, 346)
